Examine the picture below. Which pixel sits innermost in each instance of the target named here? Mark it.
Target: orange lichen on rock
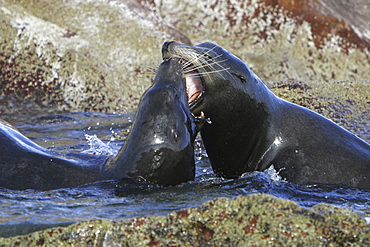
(315, 12)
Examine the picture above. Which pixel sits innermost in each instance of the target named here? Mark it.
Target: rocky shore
(252, 220)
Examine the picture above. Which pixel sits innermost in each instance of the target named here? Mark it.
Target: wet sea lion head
(210, 71)
(160, 145)
(233, 100)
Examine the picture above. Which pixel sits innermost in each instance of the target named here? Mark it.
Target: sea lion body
(26, 165)
(251, 129)
(158, 149)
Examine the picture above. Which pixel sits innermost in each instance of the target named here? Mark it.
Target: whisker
(191, 55)
(216, 71)
(213, 68)
(209, 51)
(196, 60)
(153, 68)
(200, 66)
(207, 72)
(219, 56)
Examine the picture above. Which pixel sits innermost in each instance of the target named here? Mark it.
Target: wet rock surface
(252, 220)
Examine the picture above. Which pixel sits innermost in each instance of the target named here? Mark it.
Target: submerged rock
(251, 220)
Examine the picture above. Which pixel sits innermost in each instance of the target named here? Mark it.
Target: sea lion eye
(242, 78)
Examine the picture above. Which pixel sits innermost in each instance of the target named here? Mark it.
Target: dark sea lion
(158, 149)
(26, 165)
(251, 129)
(164, 152)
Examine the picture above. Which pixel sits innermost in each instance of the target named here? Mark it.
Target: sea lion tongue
(194, 85)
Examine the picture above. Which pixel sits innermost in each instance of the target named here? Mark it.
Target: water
(22, 212)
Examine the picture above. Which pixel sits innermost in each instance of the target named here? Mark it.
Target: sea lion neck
(246, 124)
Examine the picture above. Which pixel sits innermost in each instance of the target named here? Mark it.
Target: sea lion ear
(240, 77)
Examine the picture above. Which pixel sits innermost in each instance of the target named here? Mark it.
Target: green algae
(251, 220)
(85, 56)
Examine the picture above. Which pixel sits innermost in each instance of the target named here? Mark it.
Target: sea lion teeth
(200, 120)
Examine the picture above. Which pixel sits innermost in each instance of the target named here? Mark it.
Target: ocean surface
(22, 212)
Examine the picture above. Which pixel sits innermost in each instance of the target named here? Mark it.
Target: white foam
(97, 146)
(367, 220)
(273, 174)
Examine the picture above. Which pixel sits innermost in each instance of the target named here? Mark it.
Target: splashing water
(273, 174)
(97, 146)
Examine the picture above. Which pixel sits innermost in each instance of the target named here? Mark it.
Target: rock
(279, 40)
(79, 55)
(251, 220)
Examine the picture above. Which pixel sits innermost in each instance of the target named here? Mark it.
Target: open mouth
(194, 84)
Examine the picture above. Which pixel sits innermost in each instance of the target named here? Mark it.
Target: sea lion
(158, 149)
(251, 129)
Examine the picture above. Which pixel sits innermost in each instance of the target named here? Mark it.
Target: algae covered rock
(78, 55)
(94, 55)
(251, 220)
